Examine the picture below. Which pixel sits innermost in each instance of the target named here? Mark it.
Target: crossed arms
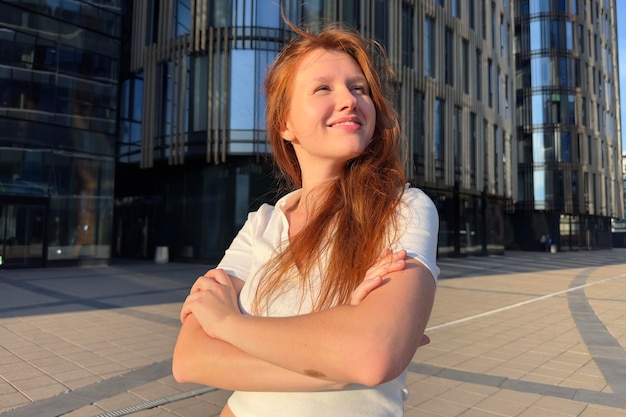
(369, 342)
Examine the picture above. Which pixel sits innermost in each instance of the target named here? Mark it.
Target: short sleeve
(418, 230)
(238, 257)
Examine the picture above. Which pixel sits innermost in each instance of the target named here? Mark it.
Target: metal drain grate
(155, 403)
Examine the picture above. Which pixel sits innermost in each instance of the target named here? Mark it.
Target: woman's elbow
(183, 367)
(379, 368)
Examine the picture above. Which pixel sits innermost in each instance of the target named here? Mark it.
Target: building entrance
(22, 233)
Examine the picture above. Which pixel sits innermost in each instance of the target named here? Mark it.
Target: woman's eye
(360, 88)
(322, 88)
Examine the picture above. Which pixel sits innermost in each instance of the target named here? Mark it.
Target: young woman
(321, 301)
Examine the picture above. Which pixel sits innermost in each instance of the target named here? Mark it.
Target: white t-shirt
(264, 233)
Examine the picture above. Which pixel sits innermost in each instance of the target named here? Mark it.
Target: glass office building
(133, 125)
(192, 134)
(59, 71)
(568, 123)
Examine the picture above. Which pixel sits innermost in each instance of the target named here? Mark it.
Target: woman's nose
(346, 99)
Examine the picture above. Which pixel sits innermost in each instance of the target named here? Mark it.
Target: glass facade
(511, 110)
(192, 133)
(567, 110)
(59, 71)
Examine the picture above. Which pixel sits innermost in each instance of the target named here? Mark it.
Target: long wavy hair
(356, 217)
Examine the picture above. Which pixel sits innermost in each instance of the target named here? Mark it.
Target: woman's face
(332, 116)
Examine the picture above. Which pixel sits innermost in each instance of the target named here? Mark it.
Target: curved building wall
(59, 69)
(193, 108)
(568, 126)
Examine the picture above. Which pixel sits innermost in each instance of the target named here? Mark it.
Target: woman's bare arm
(201, 359)
(369, 343)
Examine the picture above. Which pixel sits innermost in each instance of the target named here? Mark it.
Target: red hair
(352, 225)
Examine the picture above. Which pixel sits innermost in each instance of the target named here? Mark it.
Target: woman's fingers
(386, 263)
(204, 282)
(365, 288)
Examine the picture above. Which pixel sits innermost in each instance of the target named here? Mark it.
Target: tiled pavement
(523, 334)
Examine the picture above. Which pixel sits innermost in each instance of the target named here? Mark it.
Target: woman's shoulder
(267, 210)
(414, 196)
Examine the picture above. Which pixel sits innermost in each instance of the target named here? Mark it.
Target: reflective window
(418, 130)
(565, 149)
(457, 136)
(538, 6)
(490, 82)
(182, 18)
(198, 91)
(472, 146)
(553, 33)
(539, 189)
(502, 36)
(439, 137)
(429, 47)
(543, 147)
(219, 13)
(456, 8)
(581, 39)
(312, 11)
(243, 89)
(479, 75)
(465, 67)
(267, 14)
(381, 23)
(407, 35)
(449, 56)
(351, 10)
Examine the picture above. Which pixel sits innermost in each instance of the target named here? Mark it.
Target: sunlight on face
(332, 115)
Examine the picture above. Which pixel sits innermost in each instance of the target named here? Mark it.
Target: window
(484, 17)
(418, 130)
(439, 137)
(470, 14)
(449, 56)
(485, 153)
(457, 135)
(465, 68)
(490, 81)
(350, 12)
(581, 39)
(497, 149)
(456, 8)
(182, 19)
(493, 24)
(407, 35)
(429, 47)
(472, 147)
(380, 21)
(313, 10)
(502, 36)
(479, 75)
(152, 23)
(219, 13)
(565, 151)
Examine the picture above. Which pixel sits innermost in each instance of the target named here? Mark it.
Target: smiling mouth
(346, 124)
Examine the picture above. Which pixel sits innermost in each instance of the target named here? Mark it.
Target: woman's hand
(212, 298)
(386, 263)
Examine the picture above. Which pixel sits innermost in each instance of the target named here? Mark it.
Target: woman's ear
(286, 134)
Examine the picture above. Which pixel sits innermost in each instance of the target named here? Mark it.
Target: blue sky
(621, 39)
